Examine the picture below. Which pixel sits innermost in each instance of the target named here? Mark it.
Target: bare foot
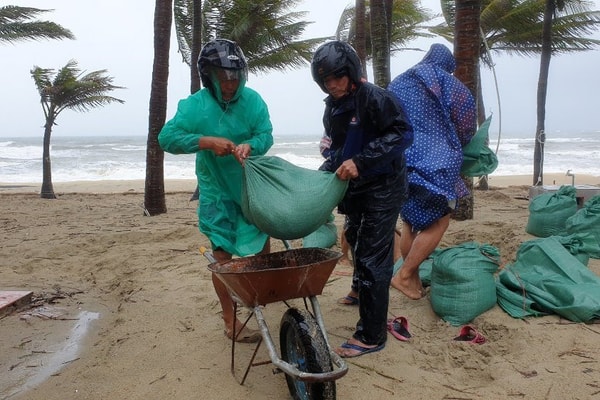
(243, 333)
(409, 287)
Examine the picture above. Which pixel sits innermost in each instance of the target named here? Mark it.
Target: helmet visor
(223, 74)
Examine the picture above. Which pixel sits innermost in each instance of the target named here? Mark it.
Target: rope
(492, 66)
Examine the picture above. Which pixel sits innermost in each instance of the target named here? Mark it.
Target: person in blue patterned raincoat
(223, 123)
(442, 112)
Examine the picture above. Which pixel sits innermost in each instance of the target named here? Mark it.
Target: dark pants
(370, 235)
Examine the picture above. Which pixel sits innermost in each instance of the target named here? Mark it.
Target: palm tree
(264, 29)
(466, 53)
(516, 26)
(68, 89)
(551, 9)
(406, 19)
(380, 50)
(154, 192)
(18, 24)
(360, 38)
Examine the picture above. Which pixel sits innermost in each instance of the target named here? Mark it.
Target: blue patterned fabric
(443, 115)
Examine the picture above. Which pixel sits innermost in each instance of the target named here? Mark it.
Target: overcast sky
(117, 35)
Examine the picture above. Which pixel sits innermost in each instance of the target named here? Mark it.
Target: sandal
(348, 301)
(398, 327)
(361, 350)
(470, 334)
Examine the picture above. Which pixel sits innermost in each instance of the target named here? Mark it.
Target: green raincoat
(245, 119)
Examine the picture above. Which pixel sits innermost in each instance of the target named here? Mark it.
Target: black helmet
(338, 58)
(221, 54)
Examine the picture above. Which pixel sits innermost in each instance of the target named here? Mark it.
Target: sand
(124, 309)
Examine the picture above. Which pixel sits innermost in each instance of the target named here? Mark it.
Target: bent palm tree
(18, 24)
(68, 89)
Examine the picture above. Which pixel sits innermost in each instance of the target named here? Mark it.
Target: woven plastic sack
(547, 279)
(478, 158)
(587, 220)
(462, 282)
(286, 201)
(548, 212)
(324, 237)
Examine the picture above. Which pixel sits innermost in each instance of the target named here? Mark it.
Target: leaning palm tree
(68, 89)
(19, 24)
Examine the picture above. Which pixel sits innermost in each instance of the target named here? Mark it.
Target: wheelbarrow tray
(268, 278)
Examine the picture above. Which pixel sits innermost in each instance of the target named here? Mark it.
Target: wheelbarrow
(310, 366)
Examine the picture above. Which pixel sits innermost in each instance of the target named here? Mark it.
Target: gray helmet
(221, 54)
(335, 58)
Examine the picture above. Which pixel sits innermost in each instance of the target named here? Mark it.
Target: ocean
(93, 158)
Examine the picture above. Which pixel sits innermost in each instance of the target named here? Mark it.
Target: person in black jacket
(368, 134)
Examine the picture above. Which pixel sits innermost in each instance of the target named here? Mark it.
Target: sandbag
(587, 220)
(286, 201)
(547, 279)
(324, 237)
(462, 282)
(478, 158)
(548, 212)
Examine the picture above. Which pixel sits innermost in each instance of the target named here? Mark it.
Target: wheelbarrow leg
(234, 334)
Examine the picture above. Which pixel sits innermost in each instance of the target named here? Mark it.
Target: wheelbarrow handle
(204, 251)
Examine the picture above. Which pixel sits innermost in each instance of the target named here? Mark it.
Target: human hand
(347, 170)
(241, 152)
(221, 146)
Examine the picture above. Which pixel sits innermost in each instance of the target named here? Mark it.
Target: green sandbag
(547, 279)
(324, 237)
(587, 220)
(478, 158)
(548, 212)
(462, 282)
(286, 201)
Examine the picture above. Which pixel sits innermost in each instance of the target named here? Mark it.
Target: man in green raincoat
(224, 123)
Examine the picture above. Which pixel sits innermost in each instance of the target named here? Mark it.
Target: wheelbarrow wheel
(303, 345)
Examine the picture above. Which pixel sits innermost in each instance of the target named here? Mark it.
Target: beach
(124, 308)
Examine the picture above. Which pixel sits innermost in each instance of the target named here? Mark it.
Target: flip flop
(470, 334)
(361, 349)
(398, 327)
(348, 301)
(246, 335)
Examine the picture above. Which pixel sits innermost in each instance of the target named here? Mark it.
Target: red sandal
(470, 334)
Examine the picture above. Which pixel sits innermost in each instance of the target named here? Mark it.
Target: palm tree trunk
(466, 52)
(196, 45)
(47, 188)
(360, 41)
(546, 54)
(154, 194)
(380, 44)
